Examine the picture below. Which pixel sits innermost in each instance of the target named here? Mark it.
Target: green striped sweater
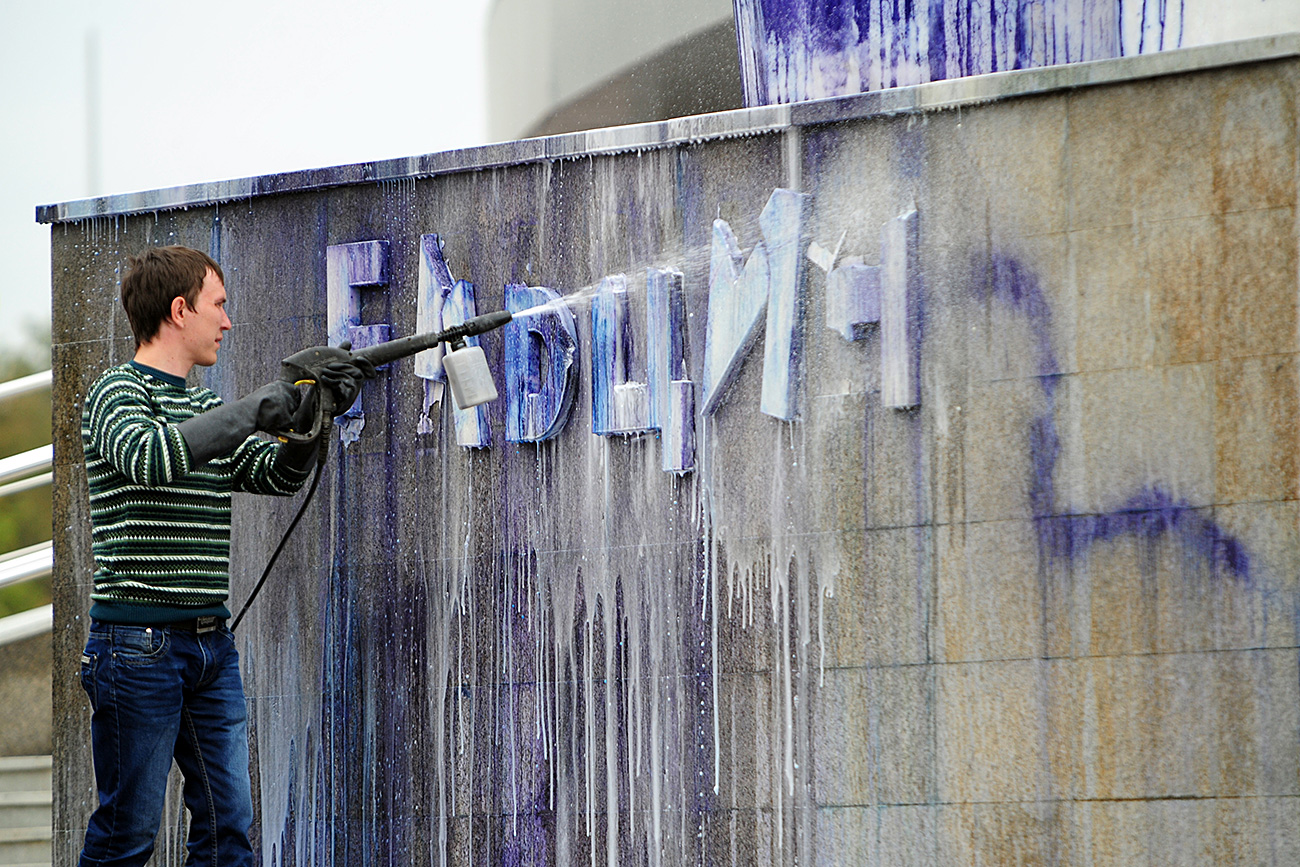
(160, 527)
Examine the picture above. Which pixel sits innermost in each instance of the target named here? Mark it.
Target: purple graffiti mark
(770, 283)
(672, 394)
(350, 268)
(679, 434)
(665, 318)
(792, 50)
(1008, 282)
(619, 403)
(434, 285)
(936, 45)
(782, 222)
(473, 425)
(1149, 513)
(541, 365)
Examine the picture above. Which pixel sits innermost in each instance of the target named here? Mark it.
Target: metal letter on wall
(672, 394)
(782, 224)
(619, 404)
(900, 325)
(440, 304)
(888, 294)
(770, 282)
(541, 364)
(737, 300)
(349, 268)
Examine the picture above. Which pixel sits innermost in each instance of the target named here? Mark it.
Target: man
(162, 459)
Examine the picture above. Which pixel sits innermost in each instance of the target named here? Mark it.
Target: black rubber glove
(220, 430)
(343, 379)
(301, 456)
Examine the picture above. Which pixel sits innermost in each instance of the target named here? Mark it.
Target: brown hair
(158, 275)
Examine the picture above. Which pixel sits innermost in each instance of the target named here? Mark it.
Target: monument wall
(792, 50)
(904, 479)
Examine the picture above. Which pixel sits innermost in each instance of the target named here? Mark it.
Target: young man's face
(207, 323)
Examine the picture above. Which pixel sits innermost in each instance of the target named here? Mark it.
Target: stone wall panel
(1046, 615)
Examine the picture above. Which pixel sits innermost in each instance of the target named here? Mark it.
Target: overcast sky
(209, 91)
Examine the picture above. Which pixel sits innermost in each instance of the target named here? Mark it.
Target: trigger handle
(318, 423)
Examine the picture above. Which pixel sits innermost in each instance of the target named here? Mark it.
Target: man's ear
(178, 311)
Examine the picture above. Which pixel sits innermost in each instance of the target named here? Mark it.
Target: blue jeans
(160, 693)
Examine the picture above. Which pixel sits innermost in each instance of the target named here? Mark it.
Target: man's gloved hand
(343, 379)
(274, 405)
(301, 456)
(305, 416)
(220, 430)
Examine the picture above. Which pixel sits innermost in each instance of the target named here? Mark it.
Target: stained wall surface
(794, 50)
(1015, 582)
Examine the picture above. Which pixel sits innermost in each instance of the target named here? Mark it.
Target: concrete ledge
(935, 96)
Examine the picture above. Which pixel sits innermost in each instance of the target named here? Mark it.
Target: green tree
(25, 517)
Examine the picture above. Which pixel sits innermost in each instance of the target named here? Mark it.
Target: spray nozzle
(383, 353)
(478, 325)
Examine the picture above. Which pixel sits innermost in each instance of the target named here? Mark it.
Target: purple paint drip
(522, 756)
(793, 50)
(937, 45)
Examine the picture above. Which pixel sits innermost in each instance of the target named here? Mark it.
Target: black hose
(320, 465)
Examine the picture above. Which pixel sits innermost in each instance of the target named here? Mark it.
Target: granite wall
(947, 512)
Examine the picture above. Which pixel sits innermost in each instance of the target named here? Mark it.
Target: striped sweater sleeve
(124, 430)
(258, 470)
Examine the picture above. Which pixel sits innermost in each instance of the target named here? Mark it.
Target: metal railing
(24, 384)
(24, 464)
(26, 564)
(23, 472)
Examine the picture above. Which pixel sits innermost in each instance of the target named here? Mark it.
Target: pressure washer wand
(392, 350)
(471, 382)
(467, 372)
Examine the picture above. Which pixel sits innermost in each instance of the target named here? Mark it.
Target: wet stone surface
(1045, 615)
